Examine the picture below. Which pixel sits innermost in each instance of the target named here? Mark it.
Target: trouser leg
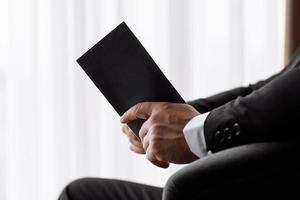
(269, 170)
(108, 189)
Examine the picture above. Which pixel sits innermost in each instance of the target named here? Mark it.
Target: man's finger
(136, 149)
(125, 128)
(146, 142)
(139, 111)
(153, 160)
(136, 142)
(133, 139)
(144, 130)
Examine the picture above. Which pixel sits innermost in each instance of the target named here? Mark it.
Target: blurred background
(55, 125)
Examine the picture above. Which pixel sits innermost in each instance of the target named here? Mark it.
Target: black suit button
(236, 129)
(228, 133)
(219, 137)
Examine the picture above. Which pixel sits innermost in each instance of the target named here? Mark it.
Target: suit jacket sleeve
(270, 112)
(204, 105)
(227, 124)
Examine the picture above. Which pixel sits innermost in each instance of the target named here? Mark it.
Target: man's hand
(136, 144)
(161, 135)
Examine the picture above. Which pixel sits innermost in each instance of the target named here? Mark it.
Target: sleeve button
(236, 129)
(228, 133)
(219, 137)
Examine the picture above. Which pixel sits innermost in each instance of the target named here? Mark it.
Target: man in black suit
(267, 111)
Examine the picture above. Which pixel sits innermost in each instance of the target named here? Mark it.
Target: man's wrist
(194, 135)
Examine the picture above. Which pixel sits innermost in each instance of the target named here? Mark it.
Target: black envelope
(126, 74)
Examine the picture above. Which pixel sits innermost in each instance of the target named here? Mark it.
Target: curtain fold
(292, 28)
(55, 126)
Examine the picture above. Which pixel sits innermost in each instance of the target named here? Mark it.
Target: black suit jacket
(265, 111)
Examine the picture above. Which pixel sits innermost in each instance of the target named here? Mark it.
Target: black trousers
(255, 171)
(108, 189)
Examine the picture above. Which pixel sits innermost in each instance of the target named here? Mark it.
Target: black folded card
(126, 74)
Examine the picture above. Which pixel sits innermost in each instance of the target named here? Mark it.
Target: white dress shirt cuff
(194, 135)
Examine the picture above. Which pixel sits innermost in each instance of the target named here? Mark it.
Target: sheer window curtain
(55, 126)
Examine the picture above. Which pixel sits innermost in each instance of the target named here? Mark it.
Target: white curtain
(55, 126)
